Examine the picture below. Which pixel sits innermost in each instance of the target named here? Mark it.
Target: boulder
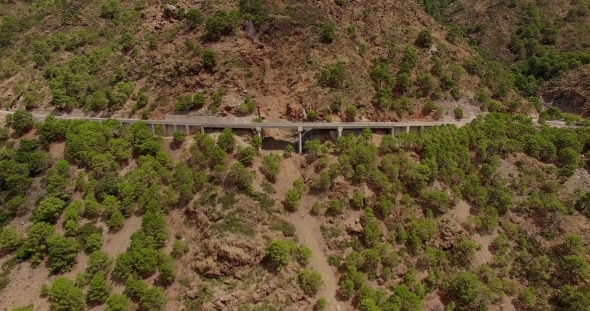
(171, 11)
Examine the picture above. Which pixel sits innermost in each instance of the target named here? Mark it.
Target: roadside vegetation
(414, 182)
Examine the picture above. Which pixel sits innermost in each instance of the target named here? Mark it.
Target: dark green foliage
(178, 137)
(424, 38)
(192, 18)
(328, 33)
(271, 166)
(93, 242)
(65, 296)
(469, 292)
(221, 23)
(123, 266)
(10, 240)
(22, 122)
(458, 113)
(98, 288)
(246, 155)
(209, 59)
(35, 245)
(226, 141)
(62, 253)
(167, 271)
(153, 299)
(254, 10)
(186, 102)
(117, 303)
(49, 210)
(334, 76)
(116, 220)
(435, 8)
(309, 281)
(110, 9)
(98, 261)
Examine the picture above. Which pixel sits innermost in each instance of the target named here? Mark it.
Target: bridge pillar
(165, 129)
(421, 128)
(339, 131)
(259, 132)
(300, 129)
(175, 128)
(407, 128)
(202, 129)
(188, 130)
(153, 129)
(393, 131)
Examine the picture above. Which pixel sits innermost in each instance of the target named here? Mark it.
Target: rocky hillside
(294, 59)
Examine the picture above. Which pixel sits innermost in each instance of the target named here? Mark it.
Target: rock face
(568, 100)
(226, 256)
(250, 31)
(354, 227)
(170, 11)
(450, 232)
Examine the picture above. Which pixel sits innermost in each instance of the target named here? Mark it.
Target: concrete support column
(175, 128)
(407, 128)
(259, 132)
(188, 130)
(202, 129)
(421, 128)
(153, 129)
(164, 129)
(393, 131)
(300, 129)
(339, 131)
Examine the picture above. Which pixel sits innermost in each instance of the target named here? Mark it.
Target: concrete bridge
(191, 127)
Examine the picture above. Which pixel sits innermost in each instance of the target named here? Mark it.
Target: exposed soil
(484, 255)
(308, 233)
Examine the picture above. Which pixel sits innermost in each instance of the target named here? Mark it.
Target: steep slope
(134, 57)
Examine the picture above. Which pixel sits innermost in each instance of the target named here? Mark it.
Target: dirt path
(309, 234)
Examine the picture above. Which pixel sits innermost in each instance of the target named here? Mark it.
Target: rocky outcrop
(568, 100)
(449, 232)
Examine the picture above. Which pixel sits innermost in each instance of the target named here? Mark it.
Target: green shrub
(192, 18)
(254, 10)
(309, 281)
(335, 208)
(98, 288)
(334, 76)
(328, 33)
(303, 255)
(458, 112)
(178, 137)
(110, 9)
(209, 59)
(246, 155)
(247, 107)
(22, 122)
(62, 253)
(65, 296)
(271, 165)
(292, 197)
(278, 253)
(179, 248)
(187, 103)
(221, 23)
(226, 141)
(117, 303)
(424, 38)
